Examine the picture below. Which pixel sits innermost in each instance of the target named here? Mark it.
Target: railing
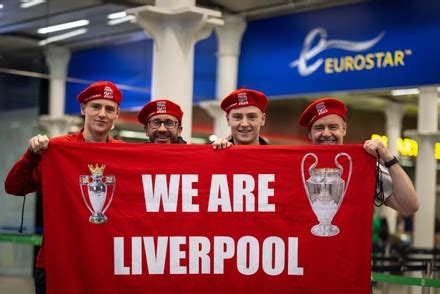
(391, 266)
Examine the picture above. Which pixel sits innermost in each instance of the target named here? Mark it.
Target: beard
(163, 137)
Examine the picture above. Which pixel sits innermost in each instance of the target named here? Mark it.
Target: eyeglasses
(156, 123)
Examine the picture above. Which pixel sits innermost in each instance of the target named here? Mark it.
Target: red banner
(137, 218)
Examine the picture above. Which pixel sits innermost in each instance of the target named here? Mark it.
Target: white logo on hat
(320, 108)
(242, 99)
(108, 92)
(161, 107)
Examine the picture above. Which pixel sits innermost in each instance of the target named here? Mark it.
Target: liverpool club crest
(97, 191)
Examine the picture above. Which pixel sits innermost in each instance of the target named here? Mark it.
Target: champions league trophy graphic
(325, 190)
(97, 187)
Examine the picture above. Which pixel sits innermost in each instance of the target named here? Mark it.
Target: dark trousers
(40, 280)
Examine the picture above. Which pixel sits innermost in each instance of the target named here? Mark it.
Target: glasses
(156, 123)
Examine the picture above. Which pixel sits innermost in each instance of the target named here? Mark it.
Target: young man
(326, 124)
(100, 107)
(162, 120)
(246, 114)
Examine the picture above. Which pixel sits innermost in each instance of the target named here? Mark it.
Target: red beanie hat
(162, 106)
(100, 90)
(320, 108)
(244, 97)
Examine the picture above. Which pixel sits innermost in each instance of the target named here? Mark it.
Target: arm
(404, 197)
(24, 177)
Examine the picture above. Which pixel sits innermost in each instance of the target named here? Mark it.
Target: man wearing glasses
(162, 120)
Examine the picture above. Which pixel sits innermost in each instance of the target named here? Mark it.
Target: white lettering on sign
(246, 193)
(166, 190)
(177, 255)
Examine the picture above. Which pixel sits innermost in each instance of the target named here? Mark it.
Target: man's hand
(38, 143)
(375, 147)
(221, 143)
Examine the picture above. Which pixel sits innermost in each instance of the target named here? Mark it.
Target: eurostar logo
(308, 52)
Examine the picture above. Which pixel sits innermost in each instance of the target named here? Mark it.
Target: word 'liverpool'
(176, 255)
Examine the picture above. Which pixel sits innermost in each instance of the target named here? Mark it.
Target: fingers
(38, 143)
(221, 144)
(368, 146)
(377, 147)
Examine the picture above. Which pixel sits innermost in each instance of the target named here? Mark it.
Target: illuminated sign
(407, 147)
(351, 47)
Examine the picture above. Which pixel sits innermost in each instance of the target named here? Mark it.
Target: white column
(426, 166)
(426, 170)
(393, 113)
(57, 59)
(229, 38)
(175, 26)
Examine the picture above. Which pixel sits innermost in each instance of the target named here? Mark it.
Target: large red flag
(138, 218)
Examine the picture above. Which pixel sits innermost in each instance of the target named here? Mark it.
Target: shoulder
(263, 141)
(66, 138)
(111, 140)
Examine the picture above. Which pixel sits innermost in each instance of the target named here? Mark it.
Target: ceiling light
(121, 20)
(63, 26)
(30, 3)
(1, 6)
(62, 37)
(405, 92)
(117, 15)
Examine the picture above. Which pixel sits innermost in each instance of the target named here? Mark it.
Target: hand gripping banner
(145, 218)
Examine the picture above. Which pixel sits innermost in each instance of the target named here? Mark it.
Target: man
(246, 114)
(326, 124)
(100, 107)
(162, 120)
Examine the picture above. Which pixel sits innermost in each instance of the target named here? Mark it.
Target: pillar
(175, 26)
(426, 166)
(229, 38)
(393, 113)
(426, 170)
(57, 59)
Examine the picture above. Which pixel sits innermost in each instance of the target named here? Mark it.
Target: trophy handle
(82, 193)
(113, 192)
(310, 170)
(342, 171)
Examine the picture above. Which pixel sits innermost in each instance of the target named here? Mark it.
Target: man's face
(329, 129)
(99, 115)
(245, 123)
(163, 129)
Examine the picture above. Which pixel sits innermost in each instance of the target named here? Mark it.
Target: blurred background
(379, 57)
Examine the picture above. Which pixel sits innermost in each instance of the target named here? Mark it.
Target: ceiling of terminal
(20, 21)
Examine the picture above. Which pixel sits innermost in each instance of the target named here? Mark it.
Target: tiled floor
(16, 285)
(20, 285)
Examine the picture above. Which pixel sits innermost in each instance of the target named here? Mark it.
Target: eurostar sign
(353, 47)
